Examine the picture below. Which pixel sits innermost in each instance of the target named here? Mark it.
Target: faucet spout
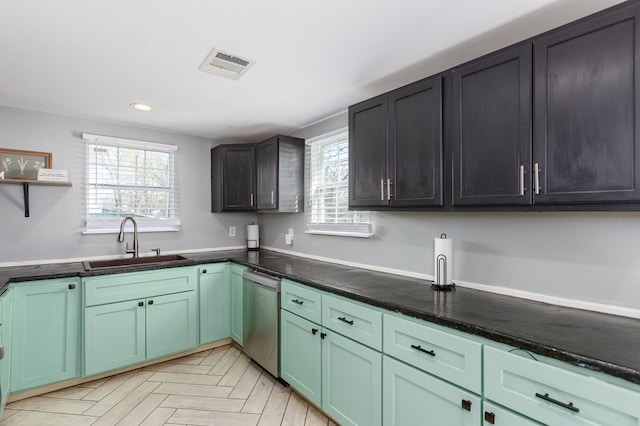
(134, 250)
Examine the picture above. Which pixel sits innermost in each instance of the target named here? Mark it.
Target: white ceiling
(92, 58)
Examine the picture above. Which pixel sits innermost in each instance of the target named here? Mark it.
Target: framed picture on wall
(24, 165)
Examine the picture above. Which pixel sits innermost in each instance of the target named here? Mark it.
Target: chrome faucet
(134, 250)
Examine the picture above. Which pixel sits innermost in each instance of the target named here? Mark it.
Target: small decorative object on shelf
(52, 175)
(23, 165)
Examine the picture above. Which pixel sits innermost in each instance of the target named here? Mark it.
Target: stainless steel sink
(131, 261)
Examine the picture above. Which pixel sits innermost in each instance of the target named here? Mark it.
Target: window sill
(341, 234)
(127, 230)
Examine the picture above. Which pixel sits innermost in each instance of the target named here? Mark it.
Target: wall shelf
(25, 188)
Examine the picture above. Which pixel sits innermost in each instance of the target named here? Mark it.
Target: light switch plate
(232, 231)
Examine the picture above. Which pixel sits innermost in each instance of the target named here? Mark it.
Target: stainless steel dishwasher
(261, 319)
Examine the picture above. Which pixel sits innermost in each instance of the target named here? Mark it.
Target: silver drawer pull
(568, 406)
(421, 349)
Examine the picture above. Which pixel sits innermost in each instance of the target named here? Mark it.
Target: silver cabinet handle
(536, 178)
(252, 199)
(388, 189)
(381, 189)
(521, 191)
(272, 195)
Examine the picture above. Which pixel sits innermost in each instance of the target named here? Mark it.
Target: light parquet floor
(220, 386)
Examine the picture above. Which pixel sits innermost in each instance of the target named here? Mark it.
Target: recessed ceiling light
(140, 107)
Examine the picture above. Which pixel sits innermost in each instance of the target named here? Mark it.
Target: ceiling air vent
(226, 65)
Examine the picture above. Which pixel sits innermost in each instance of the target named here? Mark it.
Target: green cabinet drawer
(353, 320)
(412, 397)
(138, 285)
(301, 300)
(453, 358)
(493, 414)
(556, 396)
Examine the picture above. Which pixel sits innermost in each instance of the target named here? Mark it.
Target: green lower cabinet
(45, 333)
(498, 416)
(120, 334)
(300, 356)
(351, 381)
(236, 302)
(114, 336)
(5, 339)
(215, 301)
(171, 324)
(412, 397)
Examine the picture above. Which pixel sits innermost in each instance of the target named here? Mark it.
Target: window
(327, 188)
(130, 178)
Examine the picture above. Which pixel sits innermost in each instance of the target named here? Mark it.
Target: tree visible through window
(129, 178)
(327, 192)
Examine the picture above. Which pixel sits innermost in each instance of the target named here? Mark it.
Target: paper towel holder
(441, 272)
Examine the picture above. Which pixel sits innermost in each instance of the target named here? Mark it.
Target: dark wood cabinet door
(233, 178)
(586, 135)
(492, 130)
(415, 140)
(368, 155)
(267, 158)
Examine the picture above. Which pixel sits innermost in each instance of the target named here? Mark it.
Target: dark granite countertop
(598, 341)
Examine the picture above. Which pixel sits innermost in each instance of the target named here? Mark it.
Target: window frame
(172, 223)
(360, 226)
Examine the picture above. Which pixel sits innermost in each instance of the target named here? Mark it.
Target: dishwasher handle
(272, 283)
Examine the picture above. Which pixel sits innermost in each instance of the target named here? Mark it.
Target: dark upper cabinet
(395, 148)
(280, 162)
(491, 132)
(368, 145)
(586, 110)
(233, 178)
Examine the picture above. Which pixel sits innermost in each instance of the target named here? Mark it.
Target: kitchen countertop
(598, 341)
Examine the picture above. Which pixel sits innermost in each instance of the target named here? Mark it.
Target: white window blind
(327, 188)
(130, 178)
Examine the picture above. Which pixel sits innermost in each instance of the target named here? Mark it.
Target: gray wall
(587, 256)
(57, 213)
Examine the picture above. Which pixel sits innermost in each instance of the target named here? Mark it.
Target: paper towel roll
(253, 237)
(443, 255)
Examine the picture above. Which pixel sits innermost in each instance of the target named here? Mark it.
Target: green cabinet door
(351, 381)
(114, 336)
(300, 355)
(5, 337)
(45, 327)
(236, 302)
(171, 323)
(412, 397)
(215, 300)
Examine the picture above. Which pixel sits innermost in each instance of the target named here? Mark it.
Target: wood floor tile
(210, 418)
(203, 403)
(126, 405)
(190, 359)
(275, 406)
(34, 418)
(75, 392)
(194, 379)
(259, 395)
(108, 402)
(158, 417)
(315, 417)
(52, 405)
(246, 383)
(109, 386)
(225, 362)
(143, 410)
(180, 368)
(296, 411)
(236, 371)
(194, 390)
(216, 355)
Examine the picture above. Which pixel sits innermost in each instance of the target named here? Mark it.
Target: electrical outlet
(232, 231)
